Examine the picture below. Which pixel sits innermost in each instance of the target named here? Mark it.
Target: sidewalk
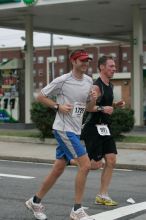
(130, 156)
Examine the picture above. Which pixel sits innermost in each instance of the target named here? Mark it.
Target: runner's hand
(95, 92)
(66, 108)
(108, 109)
(120, 104)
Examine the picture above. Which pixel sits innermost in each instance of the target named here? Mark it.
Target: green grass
(34, 133)
(20, 133)
(132, 139)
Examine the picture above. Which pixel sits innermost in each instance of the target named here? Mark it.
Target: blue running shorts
(69, 145)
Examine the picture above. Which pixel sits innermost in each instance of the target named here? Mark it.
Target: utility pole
(52, 55)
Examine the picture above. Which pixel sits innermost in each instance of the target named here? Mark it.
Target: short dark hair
(102, 60)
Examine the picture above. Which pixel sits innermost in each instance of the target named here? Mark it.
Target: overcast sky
(13, 38)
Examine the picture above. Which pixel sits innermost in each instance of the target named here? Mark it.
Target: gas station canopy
(103, 19)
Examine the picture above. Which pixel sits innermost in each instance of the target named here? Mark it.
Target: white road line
(26, 162)
(49, 164)
(118, 169)
(123, 170)
(120, 212)
(16, 176)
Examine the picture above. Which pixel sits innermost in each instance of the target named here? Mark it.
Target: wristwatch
(100, 108)
(56, 107)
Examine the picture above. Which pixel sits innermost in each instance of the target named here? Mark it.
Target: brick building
(120, 52)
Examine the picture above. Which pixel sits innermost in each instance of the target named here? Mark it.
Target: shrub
(122, 120)
(43, 118)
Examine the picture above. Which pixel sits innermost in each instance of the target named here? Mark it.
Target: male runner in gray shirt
(74, 93)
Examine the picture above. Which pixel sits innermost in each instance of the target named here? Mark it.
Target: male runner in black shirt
(97, 132)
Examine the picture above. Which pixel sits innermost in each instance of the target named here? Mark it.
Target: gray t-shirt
(69, 90)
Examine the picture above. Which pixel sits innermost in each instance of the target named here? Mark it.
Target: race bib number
(78, 109)
(103, 130)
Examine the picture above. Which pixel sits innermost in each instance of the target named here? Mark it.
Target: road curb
(51, 161)
(131, 167)
(27, 159)
(49, 141)
(52, 141)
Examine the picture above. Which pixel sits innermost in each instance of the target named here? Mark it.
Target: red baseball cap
(81, 55)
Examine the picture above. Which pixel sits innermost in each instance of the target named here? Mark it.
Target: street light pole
(52, 55)
(48, 71)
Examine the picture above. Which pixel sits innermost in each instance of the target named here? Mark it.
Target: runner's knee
(111, 161)
(58, 168)
(85, 167)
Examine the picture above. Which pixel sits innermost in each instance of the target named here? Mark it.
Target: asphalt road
(19, 181)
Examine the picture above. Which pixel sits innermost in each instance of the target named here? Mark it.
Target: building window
(61, 71)
(144, 57)
(40, 59)
(34, 59)
(101, 54)
(40, 72)
(34, 85)
(40, 85)
(125, 69)
(117, 93)
(4, 60)
(124, 56)
(114, 55)
(34, 72)
(61, 58)
(91, 55)
(90, 70)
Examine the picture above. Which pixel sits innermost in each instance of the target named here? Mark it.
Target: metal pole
(52, 55)
(28, 68)
(48, 72)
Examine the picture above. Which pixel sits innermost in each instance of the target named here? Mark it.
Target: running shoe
(79, 214)
(105, 201)
(37, 209)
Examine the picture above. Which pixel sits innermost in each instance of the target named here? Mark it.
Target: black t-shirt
(106, 99)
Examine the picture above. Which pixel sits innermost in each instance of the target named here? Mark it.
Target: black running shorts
(98, 146)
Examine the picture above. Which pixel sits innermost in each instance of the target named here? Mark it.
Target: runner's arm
(93, 96)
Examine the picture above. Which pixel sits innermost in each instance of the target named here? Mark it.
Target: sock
(105, 196)
(36, 199)
(77, 206)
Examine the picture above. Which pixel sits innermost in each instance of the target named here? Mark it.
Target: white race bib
(103, 130)
(78, 109)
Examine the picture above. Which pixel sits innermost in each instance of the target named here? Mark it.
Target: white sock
(104, 196)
